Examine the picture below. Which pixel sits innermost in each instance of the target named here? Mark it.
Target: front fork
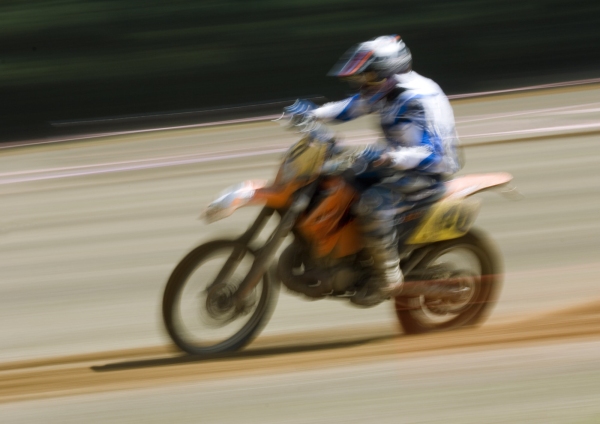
(265, 254)
(239, 252)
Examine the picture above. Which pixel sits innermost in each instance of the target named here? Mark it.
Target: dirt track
(90, 232)
(136, 368)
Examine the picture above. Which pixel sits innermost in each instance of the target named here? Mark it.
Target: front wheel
(198, 308)
(473, 261)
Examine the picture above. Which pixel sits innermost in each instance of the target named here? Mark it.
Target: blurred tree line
(79, 59)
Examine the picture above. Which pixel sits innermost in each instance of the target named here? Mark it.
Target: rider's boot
(387, 280)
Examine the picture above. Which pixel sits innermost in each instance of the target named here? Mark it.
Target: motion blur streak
(528, 88)
(124, 369)
(160, 162)
(85, 259)
(538, 130)
(125, 166)
(553, 110)
(536, 123)
(271, 117)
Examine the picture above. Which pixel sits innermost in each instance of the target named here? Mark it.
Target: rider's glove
(299, 113)
(307, 123)
(368, 160)
(299, 107)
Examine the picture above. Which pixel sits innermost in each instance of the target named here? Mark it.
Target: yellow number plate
(446, 220)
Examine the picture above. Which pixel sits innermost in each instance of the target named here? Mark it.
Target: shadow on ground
(244, 354)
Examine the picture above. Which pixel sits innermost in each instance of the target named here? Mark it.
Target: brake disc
(460, 296)
(220, 308)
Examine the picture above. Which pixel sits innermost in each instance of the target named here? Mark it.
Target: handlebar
(298, 117)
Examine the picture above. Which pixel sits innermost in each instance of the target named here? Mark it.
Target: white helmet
(386, 55)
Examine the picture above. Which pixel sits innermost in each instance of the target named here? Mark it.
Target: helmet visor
(352, 62)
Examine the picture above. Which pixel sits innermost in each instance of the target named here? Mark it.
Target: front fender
(248, 193)
(232, 198)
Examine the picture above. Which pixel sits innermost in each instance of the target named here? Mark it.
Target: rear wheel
(474, 267)
(200, 315)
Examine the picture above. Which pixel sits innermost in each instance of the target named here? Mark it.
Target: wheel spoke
(201, 316)
(471, 266)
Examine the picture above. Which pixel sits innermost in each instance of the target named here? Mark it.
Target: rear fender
(454, 215)
(467, 185)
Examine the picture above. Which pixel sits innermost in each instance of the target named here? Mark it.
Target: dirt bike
(223, 292)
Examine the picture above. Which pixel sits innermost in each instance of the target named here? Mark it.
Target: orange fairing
(322, 225)
(344, 242)
(276, 196)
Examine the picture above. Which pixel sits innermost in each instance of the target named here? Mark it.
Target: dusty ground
(91, 231)
(137, 368)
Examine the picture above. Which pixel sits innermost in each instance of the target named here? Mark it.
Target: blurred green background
(73, 59)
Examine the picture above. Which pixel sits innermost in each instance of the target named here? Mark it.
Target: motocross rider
(419, 151)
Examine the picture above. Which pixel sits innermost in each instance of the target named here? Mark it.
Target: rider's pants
(377, 212)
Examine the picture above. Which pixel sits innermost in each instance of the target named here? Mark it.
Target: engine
(299, 273)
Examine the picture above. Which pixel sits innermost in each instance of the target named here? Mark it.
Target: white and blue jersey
(420, 138)
(416, 119)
